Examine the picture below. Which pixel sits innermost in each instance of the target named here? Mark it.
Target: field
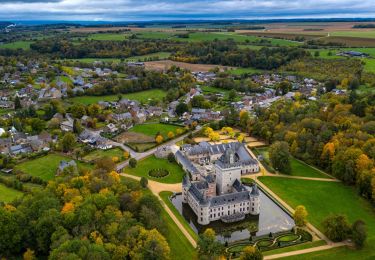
(166, 64)
(153, 129)
(108, 36)
(142, 96)
(240, 71)
(299, 168)
(324, 198)
(144, 166)
(8, 194)
(16, 45)
(45, 167)
(114, 152)
(151, 56)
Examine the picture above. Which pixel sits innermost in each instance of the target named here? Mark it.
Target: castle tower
(185, 188)
(254, 200)
(227, 171)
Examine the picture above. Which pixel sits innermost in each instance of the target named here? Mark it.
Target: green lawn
(45, 167)
(154, 128)
(165, 197)
(355, 33)
(142, 96)
(295, 248)
(299, 168)
(178, 243)
(240, 71)
(96, 154)
(324, 198)
(144, 166)
(8, 194)
(16, 45)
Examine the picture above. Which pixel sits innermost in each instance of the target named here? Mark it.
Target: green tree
(280, 157)
(133, 162)
(336, 227)
(17, 103)
(181, 108)
(68, 142)
(144, 182)
(77, 127)
(208, 247)
(359, 233)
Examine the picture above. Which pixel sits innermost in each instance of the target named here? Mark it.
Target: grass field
(151, 56)
(355, 33)
(142, 96)
(324, 198)
(16, 45)
(115, 152)
(240, 71)
(108, 36)
(8, 194)
(299, 168)
(165, 197)
(153, 129)
(144, 166)
(45, 167)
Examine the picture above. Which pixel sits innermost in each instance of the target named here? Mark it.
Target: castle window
(252, 209)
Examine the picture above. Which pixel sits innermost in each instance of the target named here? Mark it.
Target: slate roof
(187, 164)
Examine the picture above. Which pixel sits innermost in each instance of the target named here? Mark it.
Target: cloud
(125, 10)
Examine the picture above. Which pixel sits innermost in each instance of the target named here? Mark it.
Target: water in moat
(272, 218)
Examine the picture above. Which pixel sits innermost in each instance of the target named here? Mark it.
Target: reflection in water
(271, 219)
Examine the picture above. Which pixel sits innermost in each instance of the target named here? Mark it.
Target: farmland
(151, 56)
(166, 64)
(97, 154)
(16, 45)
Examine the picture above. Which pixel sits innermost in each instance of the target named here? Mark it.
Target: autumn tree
(251, 253)
(300, 216)
(280, 157)
(159, 139)
(208, 247)
(170, 135)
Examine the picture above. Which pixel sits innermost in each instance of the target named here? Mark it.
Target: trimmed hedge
(158, 173)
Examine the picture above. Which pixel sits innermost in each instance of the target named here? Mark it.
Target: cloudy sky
(127, 10)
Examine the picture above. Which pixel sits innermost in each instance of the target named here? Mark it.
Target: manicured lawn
(294, 248)
(45, 167)
(16, 45)
(165, 197)
(299, 168)
(8, 194)
(115, 152)
(144, 166)
(324, 198)
(142, 96)
(153, 129)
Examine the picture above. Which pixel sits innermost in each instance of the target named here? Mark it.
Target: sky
(146, 10)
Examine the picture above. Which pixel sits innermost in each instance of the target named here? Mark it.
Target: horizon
(172, 10)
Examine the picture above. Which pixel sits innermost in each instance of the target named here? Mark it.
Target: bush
(359, 233)
(171, 158)
(158, 173)
(336, 227)
(133, 163)
(143, 182)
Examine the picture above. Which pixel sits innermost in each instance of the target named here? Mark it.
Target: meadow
(322, 199)
(45, 167)
(8, 194)
(151, 56)
(145, 165)
(152, 129)
(16, 45)
(142, 97)
(97, 154)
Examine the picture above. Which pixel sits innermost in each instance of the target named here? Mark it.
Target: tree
(181, 108)
(336, 227)
(359, 233)
(77, 127)
(280, 157)
(251, 253)
(170, 135)
(232, 94)
(29, 255)
(68, 142)
(159, 139)
(105, 163)
(171, 158)
(17, 103)
(126, 155)
(144, 182)
(208, 247)
(300, 215)
(133, 162)
(215, 137)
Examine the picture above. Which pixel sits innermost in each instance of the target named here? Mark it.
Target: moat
(272, 218)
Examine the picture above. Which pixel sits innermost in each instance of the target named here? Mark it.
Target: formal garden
(166, 171)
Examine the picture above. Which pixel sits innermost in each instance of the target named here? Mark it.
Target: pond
(272, 218)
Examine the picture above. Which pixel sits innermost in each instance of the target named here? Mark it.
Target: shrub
(158, 173)
(171, 158)
(336, 227)
(143, 182)
(359, 233)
